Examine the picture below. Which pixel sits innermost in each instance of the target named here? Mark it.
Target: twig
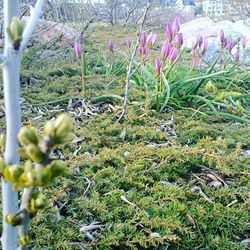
(131, 62)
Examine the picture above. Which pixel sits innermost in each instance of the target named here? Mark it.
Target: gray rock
(211, 30)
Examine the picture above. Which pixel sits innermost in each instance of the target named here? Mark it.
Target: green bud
(13, 220)
(22, 153)
(2, 140)
(34, 153)
(27, 179)
(24, 240)
(2, 165)
(63, 129)
(17, 26)
(10, 34)
(28, 135)
(12, 173)
(43, 177)
(15, 32)
(40, 202)
(57, 168)
(31, 207)
(48, 129)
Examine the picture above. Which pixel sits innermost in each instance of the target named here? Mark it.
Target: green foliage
(138, 179)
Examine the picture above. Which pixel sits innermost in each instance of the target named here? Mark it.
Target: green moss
(135, 177)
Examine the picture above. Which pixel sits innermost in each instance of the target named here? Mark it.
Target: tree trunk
(11, 73)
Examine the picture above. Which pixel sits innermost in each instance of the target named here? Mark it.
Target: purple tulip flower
(204, 47)
(176, 25)
(237, 56)
(169, 32)
(200, 40)
(129, 42)
(111, 46)
(78, 50)
(151, 40)
(195, 44)
(231, 46)
(142, 50)
(143, 38)
(173, 55)
(165, 50)
(158, 66)
(179, 39)
(224, 43)
(244, 42)
(222, 36)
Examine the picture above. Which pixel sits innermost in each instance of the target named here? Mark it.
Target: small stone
(155, 235)
(215, 184)
(126, 154)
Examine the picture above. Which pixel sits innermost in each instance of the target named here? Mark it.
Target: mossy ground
(148, 181)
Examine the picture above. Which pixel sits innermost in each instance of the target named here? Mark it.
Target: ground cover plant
(173, 173)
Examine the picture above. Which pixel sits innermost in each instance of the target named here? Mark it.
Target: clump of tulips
(160, 73)
(227, 46)
(199, 49)
(38, 171)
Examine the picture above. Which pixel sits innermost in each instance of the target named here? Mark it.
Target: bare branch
(35, 14)
(131, 62)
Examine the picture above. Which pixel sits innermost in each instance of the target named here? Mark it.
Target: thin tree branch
(131, 62)
(34, 16)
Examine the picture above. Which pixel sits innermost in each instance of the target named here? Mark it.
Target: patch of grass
(147, 181)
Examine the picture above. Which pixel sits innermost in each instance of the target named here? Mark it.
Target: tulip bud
(57, 168)
(28, 135)
(179, 39)
(142, 50)
(111, 46)
(12, 173)
(165, 50)
(143, 39)
(222, 36)
(224, 43)
(231, 46)
(176, 25)
(129, 42)
(13, 220)
(237, 56)
(244, 42)
(151, 40)
(200, 40)
(204, 47)
(34, 153)
(158, 66)
(173, 55)
(78, 50)
(24, 240)
(169, 32)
